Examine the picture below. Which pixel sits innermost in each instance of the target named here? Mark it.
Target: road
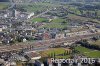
(44, 43)
(39, 14)
(42, 13)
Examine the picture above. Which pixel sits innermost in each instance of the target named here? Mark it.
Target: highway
(44, 43)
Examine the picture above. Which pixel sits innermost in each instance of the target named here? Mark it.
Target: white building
(30, 15)
(0, 29)
(24, 40)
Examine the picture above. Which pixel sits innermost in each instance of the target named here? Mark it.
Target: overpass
(43, 43)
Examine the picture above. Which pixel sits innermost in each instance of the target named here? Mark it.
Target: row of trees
(86, 44)
(91, 11)
(54, 55)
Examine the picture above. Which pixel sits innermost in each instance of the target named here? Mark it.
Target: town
(32, 32)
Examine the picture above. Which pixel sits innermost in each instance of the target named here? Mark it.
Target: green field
(36, 7)
(75, 17)
(88, 52)
(3, 5)
(39, 20)
(58, 20)
(54, 25)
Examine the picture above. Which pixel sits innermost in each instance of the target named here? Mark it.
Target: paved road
(44, 43)
(40, 14)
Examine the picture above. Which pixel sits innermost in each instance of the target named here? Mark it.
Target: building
(2, 62)
(61, 35)
(32, 55)
(46, 36)
(3, 27)
(10, 63)
(24, 40)
(18, 57)
(38, 63)
(72, 34)
(30, 15)
(0, 29)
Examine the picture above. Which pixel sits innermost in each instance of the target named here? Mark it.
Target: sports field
(57, 51)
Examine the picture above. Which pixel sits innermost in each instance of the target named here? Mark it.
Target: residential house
(3, 27)
(2, 62)
(10, 63)
(46, 36)
(60, 35)
(78, 33)
(17, 57)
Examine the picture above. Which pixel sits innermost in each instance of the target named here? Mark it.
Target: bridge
(43, 43)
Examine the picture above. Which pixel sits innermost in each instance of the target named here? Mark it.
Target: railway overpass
(43, 43)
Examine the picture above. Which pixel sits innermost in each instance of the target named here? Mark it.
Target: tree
(51, 55)
(54, 55)
(65, 53)
(95, 38)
